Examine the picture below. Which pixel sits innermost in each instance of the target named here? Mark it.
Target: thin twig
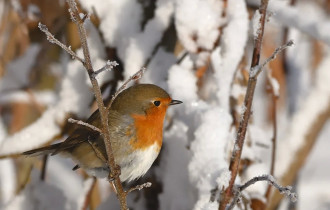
(239, 142)
(274, 95)
(114, 168)
(97, 152)
(85, 17)
(272, 182)
(108, 67)
(79, 122)
(44, 168)
(135, 76)
(139, 187)
(53, 40)
(183, 56)
(255, 70)
(88, 195)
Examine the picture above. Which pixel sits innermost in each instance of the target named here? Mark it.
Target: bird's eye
(157, 103)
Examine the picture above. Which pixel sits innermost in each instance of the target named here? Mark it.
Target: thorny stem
(114, 169)
(236, 154)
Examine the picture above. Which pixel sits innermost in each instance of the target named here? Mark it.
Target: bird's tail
(43, 150)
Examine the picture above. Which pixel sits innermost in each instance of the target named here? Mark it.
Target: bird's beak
(174, 102)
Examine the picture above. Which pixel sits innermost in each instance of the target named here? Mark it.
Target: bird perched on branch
(136, 119)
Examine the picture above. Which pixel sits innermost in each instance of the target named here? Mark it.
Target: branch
(255, 70)
(275, 94)
(139, 187)
(53, 40)
(108, 67)
(79, 122)
(135, 77)
(272, 182)
(114, 168)
(44, 168)
(239, 142)
(89, 195)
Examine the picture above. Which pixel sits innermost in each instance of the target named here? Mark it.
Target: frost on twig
(79, 122)
(271, 180)
(134, 77)
(108, 67)
(255, 70)
(139, 187)
(53, 40)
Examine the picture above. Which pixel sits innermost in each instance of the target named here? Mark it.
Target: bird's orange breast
(149, 129)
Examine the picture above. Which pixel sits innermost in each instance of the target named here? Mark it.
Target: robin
(136, 120)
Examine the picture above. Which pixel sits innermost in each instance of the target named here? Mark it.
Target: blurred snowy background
(198, 50)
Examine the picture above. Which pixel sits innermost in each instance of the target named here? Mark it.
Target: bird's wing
(85, 134)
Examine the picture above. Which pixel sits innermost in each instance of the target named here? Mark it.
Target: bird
(136, 118)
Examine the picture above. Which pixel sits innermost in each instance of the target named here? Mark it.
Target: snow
(198, 134)
(39, 195)
(88, 184)
(314, 177)
(118, 27)
(33, 12)
(256, 24)
(299, 75)
(7, 172)
(182, 82)
(275, 86)
(193, 31)
(41, 97)
(142, 44)
(46, 127)
(226, 58)
(209, 159)
(316, 102)
(157, 71)
(177, 185)
(17, 74)
(314, 24)
(121, 29)
(223, 179)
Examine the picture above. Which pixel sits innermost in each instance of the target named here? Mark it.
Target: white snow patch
(182, 82)
(198, 22)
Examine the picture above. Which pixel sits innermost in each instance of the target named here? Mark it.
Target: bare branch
(255, 70)
(114, 168)
(139, 187)
(275, 94)
(240, 135)
(135, 77)
(79, 122)
(108, 67)
(97, 151)
(270, 179)
(53, 40)
(89, 194)
(278, 50)
(44, 168)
